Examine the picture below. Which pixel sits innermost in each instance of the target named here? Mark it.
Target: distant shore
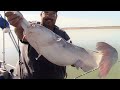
(97, 27)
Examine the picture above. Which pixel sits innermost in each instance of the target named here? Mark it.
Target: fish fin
(109, 58)
(38, 57)
(85, 68)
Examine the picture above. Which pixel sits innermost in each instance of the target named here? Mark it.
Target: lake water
(86, 38)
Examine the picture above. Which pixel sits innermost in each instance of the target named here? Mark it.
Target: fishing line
(86, 73)
(89, 72)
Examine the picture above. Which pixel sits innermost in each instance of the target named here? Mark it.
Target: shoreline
(97, 27)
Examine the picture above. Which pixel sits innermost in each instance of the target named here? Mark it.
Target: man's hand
(13, 19)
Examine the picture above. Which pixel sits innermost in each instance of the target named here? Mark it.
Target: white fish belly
(58, 51)
(62, 56)
(59, 55)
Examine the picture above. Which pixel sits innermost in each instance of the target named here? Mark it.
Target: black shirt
(41, 68)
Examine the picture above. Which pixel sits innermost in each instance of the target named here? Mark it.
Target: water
(89, 37)
(86, 38)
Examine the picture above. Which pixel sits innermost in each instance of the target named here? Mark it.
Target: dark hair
(55, 11)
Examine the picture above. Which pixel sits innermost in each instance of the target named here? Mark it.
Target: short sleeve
(24, 42)
(67, 38)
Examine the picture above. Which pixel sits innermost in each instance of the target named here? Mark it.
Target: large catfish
(58, 51)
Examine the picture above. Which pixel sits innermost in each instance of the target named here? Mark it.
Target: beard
(48, 23)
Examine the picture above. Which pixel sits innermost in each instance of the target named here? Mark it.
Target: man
(33, 67)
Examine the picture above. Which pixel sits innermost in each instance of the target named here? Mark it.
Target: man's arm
(19, 33)
(15, 21)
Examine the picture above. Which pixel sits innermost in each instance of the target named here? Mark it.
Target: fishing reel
(4, 74)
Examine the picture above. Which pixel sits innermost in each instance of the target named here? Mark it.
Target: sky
(75, 19)
(79, 18)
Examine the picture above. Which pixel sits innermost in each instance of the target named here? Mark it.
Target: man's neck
(51, 28)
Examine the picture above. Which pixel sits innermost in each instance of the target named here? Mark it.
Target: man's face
(48, 18)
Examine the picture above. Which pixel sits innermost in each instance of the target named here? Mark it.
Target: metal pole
(4, 48)
(14, 41)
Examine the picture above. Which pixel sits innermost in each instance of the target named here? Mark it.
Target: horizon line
(92, 27)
